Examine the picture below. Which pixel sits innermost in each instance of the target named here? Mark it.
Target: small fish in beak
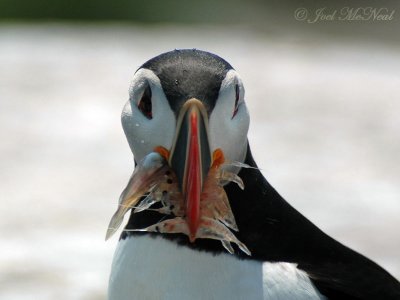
(154, 181)
(148, 174)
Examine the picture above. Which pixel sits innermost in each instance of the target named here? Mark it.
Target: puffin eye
(237, 94)
(145, 104)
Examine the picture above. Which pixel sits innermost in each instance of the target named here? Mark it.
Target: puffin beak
(190, 158)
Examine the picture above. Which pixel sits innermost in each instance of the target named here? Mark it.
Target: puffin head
(189, 105)
(169, 88)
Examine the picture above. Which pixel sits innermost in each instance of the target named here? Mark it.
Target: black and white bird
(288, 256)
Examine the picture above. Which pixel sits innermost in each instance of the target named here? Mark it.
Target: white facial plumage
(145, 134)
(228, 129)
(228, 121)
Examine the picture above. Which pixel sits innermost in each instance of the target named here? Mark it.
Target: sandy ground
(325, 131)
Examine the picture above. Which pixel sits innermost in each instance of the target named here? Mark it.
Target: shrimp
(155, 179)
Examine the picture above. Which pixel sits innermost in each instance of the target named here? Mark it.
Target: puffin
(203, 221)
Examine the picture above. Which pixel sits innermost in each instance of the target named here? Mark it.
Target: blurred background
(322, 90)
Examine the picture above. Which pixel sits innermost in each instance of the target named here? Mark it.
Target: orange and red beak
(191, 158)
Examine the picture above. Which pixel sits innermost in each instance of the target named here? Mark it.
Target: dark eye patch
(145, 105)
(237, 96)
